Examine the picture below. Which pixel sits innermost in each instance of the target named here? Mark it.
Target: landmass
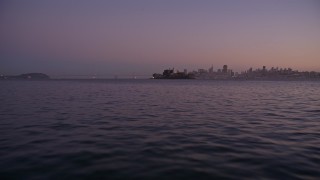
(28, 76)
(170, 74)
(250, 74)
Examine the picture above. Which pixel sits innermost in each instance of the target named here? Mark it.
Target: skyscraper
(225, 69)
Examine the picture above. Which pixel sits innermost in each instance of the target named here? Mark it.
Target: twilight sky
(77, 37)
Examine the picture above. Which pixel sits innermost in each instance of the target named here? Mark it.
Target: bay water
(159, 129)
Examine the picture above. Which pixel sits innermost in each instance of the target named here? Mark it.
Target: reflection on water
(159, 129)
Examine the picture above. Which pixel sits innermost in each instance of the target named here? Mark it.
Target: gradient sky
(145, 36)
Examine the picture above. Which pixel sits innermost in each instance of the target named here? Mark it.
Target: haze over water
(159, 129)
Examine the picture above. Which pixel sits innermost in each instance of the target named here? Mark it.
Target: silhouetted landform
(250, 74)
(28, 76)
(278, 74)
(170, 74)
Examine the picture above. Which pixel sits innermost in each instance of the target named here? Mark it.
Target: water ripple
(122, 129)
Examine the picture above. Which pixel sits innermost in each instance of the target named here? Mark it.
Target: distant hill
(31, 76)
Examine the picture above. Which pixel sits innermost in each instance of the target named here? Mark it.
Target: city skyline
(121, 37)
(224, 72)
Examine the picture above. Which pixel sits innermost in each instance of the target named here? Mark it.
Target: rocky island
(170, 74)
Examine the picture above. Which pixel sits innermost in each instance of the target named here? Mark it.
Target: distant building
(168, 72)
(202, 71)
(211, 69)
(228, 74)
(225, 69)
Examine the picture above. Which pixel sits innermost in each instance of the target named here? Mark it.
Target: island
(28, 76)
(170, 74)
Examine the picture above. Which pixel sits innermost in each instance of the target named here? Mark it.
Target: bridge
(101, 76)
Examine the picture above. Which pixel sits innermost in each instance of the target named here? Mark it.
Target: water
(159, 129)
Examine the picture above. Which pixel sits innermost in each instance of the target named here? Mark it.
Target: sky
(119, 37)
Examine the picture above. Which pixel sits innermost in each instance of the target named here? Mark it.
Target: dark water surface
(159, 129)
